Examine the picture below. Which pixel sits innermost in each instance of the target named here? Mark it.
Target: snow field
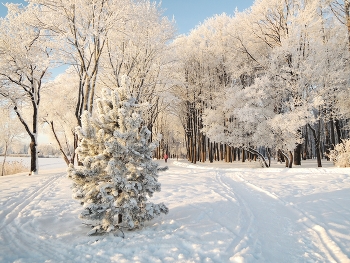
(217, 214)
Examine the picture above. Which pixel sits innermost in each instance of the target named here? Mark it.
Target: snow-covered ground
(218, 213)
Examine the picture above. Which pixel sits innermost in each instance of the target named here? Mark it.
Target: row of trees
(272, 79)
(102, 109)
(98, 43)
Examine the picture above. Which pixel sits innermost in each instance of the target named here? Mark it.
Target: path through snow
(217, 214)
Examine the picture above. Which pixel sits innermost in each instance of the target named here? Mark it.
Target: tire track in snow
(17, 237)
(246, 231)
(326, 242)
(22, 201)
(27, 243)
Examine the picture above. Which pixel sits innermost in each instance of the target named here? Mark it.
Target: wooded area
(269, 82)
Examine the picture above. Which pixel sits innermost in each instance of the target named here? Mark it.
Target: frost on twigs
(341, 154)
(118, 173)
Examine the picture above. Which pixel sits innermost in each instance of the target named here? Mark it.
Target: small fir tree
(118, 173)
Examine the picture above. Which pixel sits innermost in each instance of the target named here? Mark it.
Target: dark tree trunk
(280, 156)
(33, 139)
(268, 152)
(285, 157)
(327, 143)
(338, 129)
(290, 159)
(306, 140)
(297, 155)
(221, 152)
(331, 125)
(243, 156)
(217, 152)
(211, 152)
(317, 143)
(33, 156)
(261, 157)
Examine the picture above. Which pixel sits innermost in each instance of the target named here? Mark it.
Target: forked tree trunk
(280, 156)
(286, 158)
(33, 138)
(261, 157)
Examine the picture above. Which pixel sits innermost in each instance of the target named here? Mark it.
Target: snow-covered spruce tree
(118, 173)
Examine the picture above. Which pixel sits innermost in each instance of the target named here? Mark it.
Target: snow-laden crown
(117, 172)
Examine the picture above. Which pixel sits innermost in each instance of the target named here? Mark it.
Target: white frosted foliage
(118, 173)
(341, 154)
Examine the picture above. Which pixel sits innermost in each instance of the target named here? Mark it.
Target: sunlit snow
(218, 213)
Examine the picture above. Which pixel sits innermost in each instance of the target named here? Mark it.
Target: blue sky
(187, 13)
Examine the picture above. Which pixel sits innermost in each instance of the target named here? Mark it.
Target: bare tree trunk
(338, 129)
(286, 158)
(297, 155)
(331, 124)
(221, 152)
(33, 138)
(4, 161)
(227, 153)
(268, 151)
(65, 157)
(204, 153)
(217, 151)
(317, 143)
(306, 139)
(261, 157)
(327, 143)
(347, 17)
(34, 156)
(290, 159)
(281, 156)
(211, 152)
(243, 155)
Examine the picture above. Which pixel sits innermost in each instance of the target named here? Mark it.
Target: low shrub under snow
(13, 167)
(341, 154)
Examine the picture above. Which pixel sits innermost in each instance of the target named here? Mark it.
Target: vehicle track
(247, 231)
(17, 204)
(326, 243)
(30, 243)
